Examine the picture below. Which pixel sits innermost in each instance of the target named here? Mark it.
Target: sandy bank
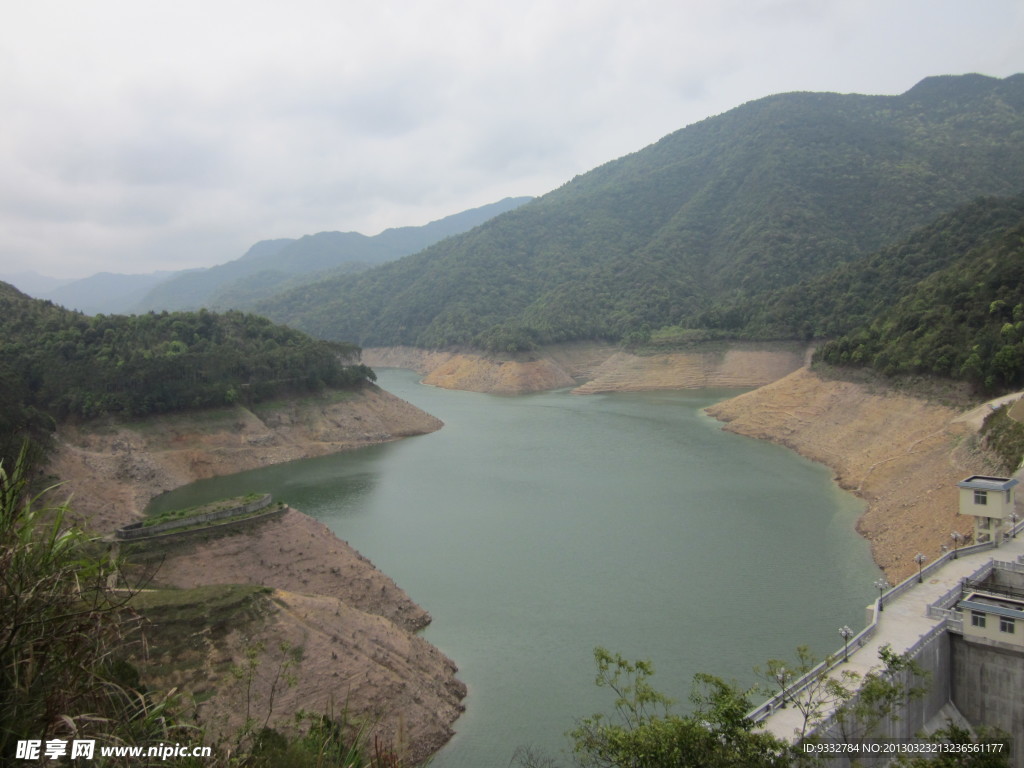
(592, 368)
(903, 455)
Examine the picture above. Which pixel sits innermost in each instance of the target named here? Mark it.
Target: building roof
(985, 483)
(989, 605)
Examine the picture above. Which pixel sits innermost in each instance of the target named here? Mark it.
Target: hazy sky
(137, 135)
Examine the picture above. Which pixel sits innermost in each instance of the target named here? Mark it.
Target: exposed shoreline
(114, 468)
(357, 625)
(591, 368)
(902, 454)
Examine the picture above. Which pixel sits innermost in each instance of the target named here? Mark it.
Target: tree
(646, 734)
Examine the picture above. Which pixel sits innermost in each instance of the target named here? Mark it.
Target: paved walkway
(902, 623)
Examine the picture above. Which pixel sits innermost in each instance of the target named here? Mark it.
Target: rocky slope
(902, 454)
(269, 654)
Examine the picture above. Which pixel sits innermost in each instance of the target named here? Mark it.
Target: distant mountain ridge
(753, 200)
(270, 265)
(106, 292)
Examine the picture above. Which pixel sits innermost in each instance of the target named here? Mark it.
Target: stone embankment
(140, 530)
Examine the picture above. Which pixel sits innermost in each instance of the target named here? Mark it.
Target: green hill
(854, 294)
(57, 364)
(962, 321)
(715, 215)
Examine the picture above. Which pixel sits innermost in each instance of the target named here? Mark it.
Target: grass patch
(185, 630)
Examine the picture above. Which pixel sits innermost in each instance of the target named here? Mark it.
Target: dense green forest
(57, 364)
(712, 217)
(964, 321)
(854, 294)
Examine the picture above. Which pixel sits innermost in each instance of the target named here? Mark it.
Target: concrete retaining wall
(215, 527)
(140, 530)
(987, 681)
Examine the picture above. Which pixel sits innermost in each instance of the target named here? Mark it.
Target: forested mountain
(270, 266)
(963, 321)
(853, 294)
(57, 364)
(710, 217)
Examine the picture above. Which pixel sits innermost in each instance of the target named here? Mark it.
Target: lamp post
(782, 675)
(847, 633)
(957, 538)
(919, 558)
(881, 585)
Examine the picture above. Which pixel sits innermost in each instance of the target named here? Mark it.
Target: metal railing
(759, 714)
(949, 619)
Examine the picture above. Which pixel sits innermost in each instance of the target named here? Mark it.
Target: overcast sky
(137, 135)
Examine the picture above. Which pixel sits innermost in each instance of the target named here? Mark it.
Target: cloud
(139, 137)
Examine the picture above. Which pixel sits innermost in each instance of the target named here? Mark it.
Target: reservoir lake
(536, 527)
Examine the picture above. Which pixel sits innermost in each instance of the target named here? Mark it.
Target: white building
(990, 501)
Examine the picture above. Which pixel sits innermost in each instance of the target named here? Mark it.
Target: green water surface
(537, 527)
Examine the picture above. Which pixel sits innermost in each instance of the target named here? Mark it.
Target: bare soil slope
(903, 455)
(392, 683)
(595, 368)
(292, 552)
(113, 469)
(733, 365)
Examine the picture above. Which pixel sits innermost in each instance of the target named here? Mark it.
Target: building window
(981, 497)
(1006, 625)
(978, 619)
